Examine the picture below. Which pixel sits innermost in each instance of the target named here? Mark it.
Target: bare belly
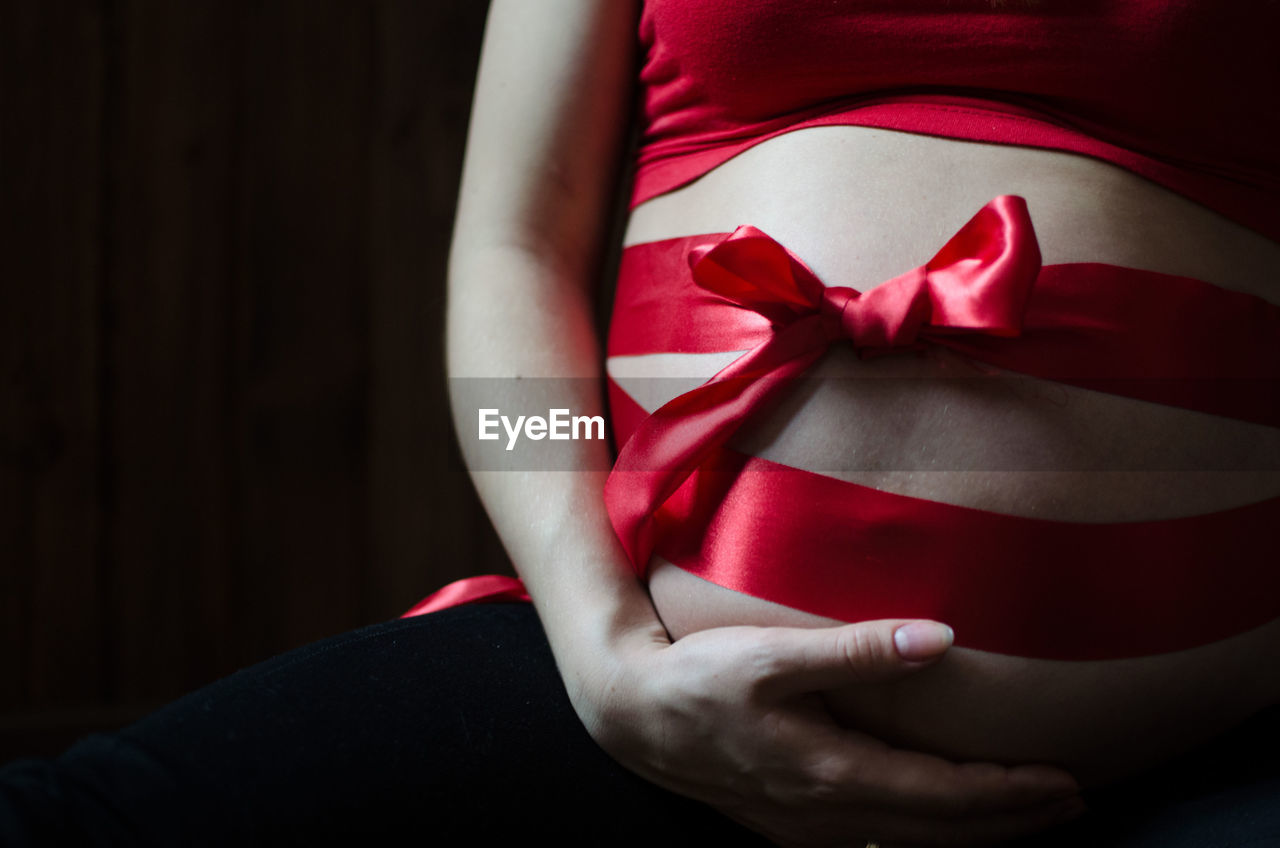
(860, 206)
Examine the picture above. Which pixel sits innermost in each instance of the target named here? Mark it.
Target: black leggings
(455, 728)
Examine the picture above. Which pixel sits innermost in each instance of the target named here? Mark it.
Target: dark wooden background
(223, 430)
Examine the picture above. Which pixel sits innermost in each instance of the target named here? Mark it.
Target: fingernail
(921, 640)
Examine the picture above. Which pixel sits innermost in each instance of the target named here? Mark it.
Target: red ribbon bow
(979, 282)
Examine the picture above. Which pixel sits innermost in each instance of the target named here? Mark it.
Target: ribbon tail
(484, 589)
(670, 444)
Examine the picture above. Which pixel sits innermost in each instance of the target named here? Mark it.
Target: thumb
(830, 657)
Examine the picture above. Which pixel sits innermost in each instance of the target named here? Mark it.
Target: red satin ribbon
(1008, 584)
(978, 283)
(483, 589)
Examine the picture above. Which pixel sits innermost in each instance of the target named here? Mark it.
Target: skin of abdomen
(860, 206)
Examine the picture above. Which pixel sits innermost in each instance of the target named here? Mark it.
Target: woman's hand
(734, 717)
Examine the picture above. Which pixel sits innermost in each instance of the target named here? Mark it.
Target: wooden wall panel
(168, 387)
(301, 242)
(223, 431)
(419, 495)
(51, 112)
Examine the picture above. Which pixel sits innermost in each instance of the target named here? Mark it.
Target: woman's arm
(727, 716)
(543, 153)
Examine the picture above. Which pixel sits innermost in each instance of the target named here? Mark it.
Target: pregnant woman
(1026, 256)
(945, 376)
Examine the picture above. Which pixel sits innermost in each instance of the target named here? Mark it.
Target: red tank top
(1183, 92)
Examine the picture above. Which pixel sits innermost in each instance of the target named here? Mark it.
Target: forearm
(519, 312)
(591, 605)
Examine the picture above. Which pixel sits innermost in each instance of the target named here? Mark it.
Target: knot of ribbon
(847, 314)
(979, 281)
